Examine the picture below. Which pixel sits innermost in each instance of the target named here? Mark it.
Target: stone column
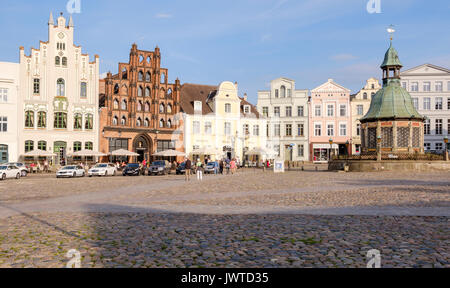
(394, 136)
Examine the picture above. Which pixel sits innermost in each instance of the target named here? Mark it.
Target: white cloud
(163, 16)
(343, 57)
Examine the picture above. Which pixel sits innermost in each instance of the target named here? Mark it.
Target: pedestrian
(199, 167)
(221, 166)
(227, 165)
(46, 166)
(187, 167)
(233, 166)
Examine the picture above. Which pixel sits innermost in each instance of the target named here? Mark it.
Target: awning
(123, 152)
(169, 153)
(88, 153)
(207, 151)
(39, 153)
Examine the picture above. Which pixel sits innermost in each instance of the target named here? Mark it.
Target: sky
(247, 41)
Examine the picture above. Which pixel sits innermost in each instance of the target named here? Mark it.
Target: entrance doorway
(4, 153)
(142, 146)
(141, 153)
(288, 153)
(60, 149)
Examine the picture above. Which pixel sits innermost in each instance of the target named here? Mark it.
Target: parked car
(9, 171)
(24, 169)
(161, 167)
(181, 169)
(103, 169)
(71, 171)
(211, 167)
(131, 169)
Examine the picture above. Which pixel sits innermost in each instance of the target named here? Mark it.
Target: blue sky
(248, 41)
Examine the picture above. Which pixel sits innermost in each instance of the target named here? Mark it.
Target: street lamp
(331, 148)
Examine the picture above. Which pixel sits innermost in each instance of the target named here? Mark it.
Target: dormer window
(246, 109)
(198, 106)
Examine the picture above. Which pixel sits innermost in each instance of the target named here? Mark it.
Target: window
(318, 110)
(330, 110)
(439, 102)
(360, 110)
(116, 144)
(78, 119)
(116, 89)
(277, 149)
(415, 103)
(283, 92)
(365, 96)
(123, 121)
(163, 78)
(276, 111)
(148, 76)
(115, 121)
(330, 130)
(140, 91)
(289, 111)
(60, 88)
(227, 128)
(289, 93)
(300, 111)
(116, 104)
(77, 146)
(138, 122)
(146, 122)
(29, 146)
(448, 103)
(288, 129)
(426, 86)
(64, 61)
(343, 110)
(141, 76)
(42, 145)
(139, 106)
(426, 103)
(318, 129)
(439, 127)
(164, 145)
(89, 122)
(358, 129)
(438, 147)
(36, 86)
(83, 90)
(3, 95)
(343, 129)
(3, 124)
(276, 130)
(448, 86)
(196, 127)
(414, 87)
(255, 130)
(147, 92)
(246, 129)
(29, 119)
(438, 86)
(123, 105)
(147, 106)
(57, 60)
(60, 121)
(404, 85)
(266, 110)
(276, 93)
(427, 127)
(448, 126)
(300, 150)
(208, 128)
(89, 146)
(169, 123)
(227, 108)
(162, 108)
(427, 146)
(267, 130)
(198, 106)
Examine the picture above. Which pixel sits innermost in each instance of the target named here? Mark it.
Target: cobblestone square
(251, 219)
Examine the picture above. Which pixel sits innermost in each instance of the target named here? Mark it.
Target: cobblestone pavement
(252, 219)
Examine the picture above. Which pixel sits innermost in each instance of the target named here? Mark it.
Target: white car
(9, 171)
(24, 170)
(71, 171)
(103, 169)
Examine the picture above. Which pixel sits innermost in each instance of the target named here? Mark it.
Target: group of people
(38, 167)
(228, 165)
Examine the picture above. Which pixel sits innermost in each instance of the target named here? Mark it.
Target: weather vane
(391, 31)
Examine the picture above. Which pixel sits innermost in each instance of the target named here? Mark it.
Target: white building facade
(429, 86)
(58, 104)
(9, 87)
(286, 111)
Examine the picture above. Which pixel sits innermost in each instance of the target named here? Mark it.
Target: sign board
(278, 167)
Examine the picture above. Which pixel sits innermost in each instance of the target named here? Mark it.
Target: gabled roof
(411, 70)
(329, 85)
(190, 93)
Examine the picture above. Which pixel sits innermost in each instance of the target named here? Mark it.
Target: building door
(288, 153)
(4, 154)
(60, 149)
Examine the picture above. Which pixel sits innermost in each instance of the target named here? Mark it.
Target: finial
(391, 31)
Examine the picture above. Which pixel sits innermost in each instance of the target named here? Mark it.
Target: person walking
(187, 167)
(227, 165)
(199, 167)
(46, 166)
(221, 167)
(233, 166)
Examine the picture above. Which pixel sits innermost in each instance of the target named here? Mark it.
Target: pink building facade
(329, 119)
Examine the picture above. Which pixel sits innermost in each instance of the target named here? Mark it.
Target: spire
(50, 20)
(71, 21)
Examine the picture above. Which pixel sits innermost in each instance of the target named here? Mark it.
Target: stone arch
(143, 145)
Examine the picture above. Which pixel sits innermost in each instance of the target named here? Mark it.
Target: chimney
(245, 96)
(236, 85)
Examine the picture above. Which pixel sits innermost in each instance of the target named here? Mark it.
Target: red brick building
(139, 108)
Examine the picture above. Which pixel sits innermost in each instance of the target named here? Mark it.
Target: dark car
(161, 167)
(132, 170)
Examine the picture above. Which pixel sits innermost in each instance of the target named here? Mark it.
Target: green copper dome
(391, 58)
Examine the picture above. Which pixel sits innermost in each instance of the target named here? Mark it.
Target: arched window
(283, 91)
(161, 108)
(148, 77)
(141, 76)
(42, 119)
(365, 96)
(29, 119)
(140, 91)
(138, 122)
(147, 106)
(77, 146)
(78, 119)
(123, 121)
(124, 105)
(161, 123)
(60, 120)
(83, 90)
(115, 121)
(149, 59)
(169, 109)
(146, 122)
(139, 105)
(89, 122)
(147, 92)
(29, 146)
(116, 104)
(373, 94)
(124, 73)
(141, 58)
(57, 60)
(60, 88)
(42, 145)
(163, 78)
(116, 89)
(163, 93)
(64, 61)
(169, 123)
(169, 93)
